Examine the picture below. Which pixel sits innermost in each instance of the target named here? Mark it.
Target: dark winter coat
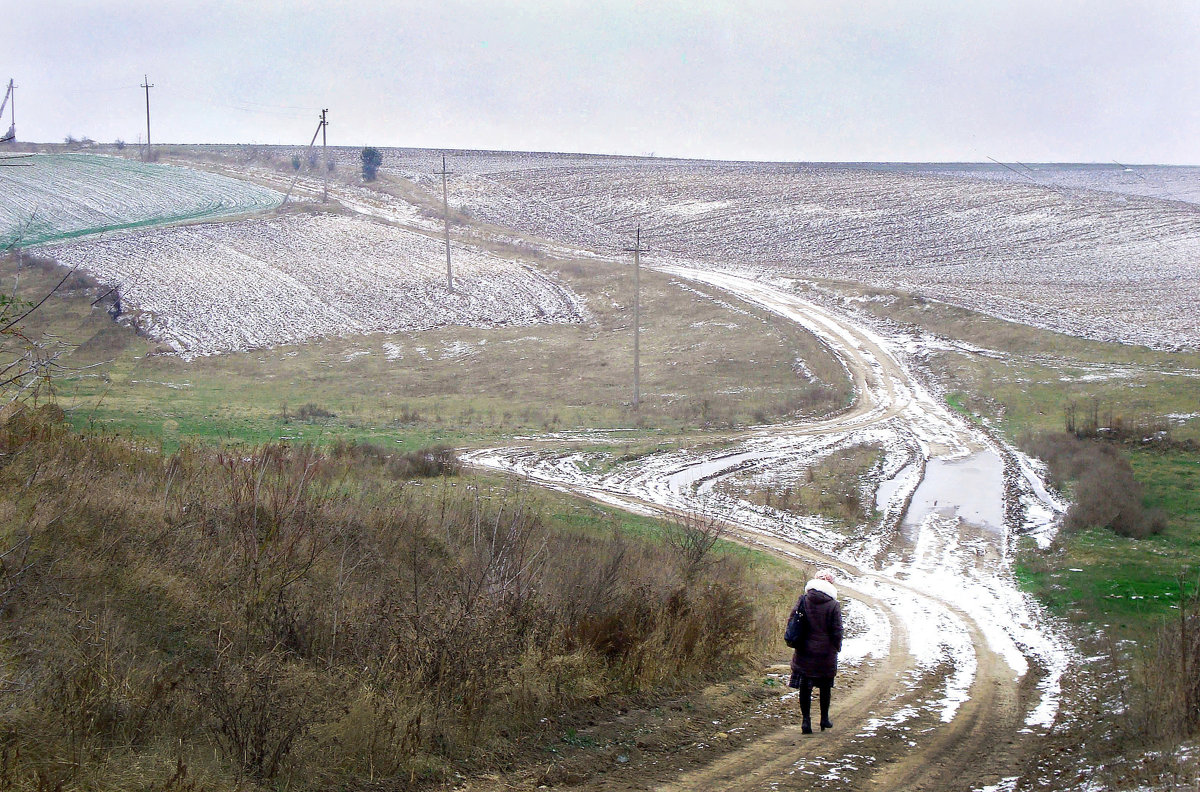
(817, 657)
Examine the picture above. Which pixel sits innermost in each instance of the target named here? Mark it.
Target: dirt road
(953, 670)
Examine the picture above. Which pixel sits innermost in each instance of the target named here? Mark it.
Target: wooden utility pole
(637, 315)
(147, 85)
(324, 160)
(446, 217)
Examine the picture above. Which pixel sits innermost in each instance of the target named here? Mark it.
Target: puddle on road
(971, 489)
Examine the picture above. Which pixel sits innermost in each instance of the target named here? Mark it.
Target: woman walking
(814, 663)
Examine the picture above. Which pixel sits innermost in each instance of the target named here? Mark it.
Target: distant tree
(120, 144)
(371, 160)
(295, 162)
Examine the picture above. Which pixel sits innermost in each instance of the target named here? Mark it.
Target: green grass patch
(1130, 584)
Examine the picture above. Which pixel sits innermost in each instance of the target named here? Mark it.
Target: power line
(1014, 170)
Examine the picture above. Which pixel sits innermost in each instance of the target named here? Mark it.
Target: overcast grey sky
(834, 80)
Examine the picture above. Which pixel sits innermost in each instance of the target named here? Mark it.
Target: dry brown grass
(1167, 677)
(286, 616)
(833, 487)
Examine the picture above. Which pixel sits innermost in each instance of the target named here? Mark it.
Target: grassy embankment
(284, 616)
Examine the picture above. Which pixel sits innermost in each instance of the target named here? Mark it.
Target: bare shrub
(1169, 675)
(258, 705)
(431, 462)
(313, 412)
(1105, 492)
(692, 536)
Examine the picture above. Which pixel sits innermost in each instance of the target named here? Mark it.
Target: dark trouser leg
(826, 695)
(806, 705)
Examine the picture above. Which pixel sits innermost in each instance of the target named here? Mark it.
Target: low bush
(1103, 489)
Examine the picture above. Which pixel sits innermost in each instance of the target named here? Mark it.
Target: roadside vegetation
(283, 616)
(836, 487)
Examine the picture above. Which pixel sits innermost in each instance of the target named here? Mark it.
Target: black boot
(805, 707)
(826, 694)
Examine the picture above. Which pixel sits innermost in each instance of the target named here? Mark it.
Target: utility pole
(307, 152)
(446, 217)
(637, 315)
(324, 160)
(147, 85)
(9, 101)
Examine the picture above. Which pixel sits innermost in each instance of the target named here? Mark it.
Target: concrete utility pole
(307, 152)
(446, 217)
(324, 160)
(12, 112)
(147, 85)
(637, 315)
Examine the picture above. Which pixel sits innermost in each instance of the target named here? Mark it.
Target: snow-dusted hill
(225, 287)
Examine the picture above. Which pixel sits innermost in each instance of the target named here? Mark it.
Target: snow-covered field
(205, 289)
(1170, 182)
(1090, 250)
(58, 196)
